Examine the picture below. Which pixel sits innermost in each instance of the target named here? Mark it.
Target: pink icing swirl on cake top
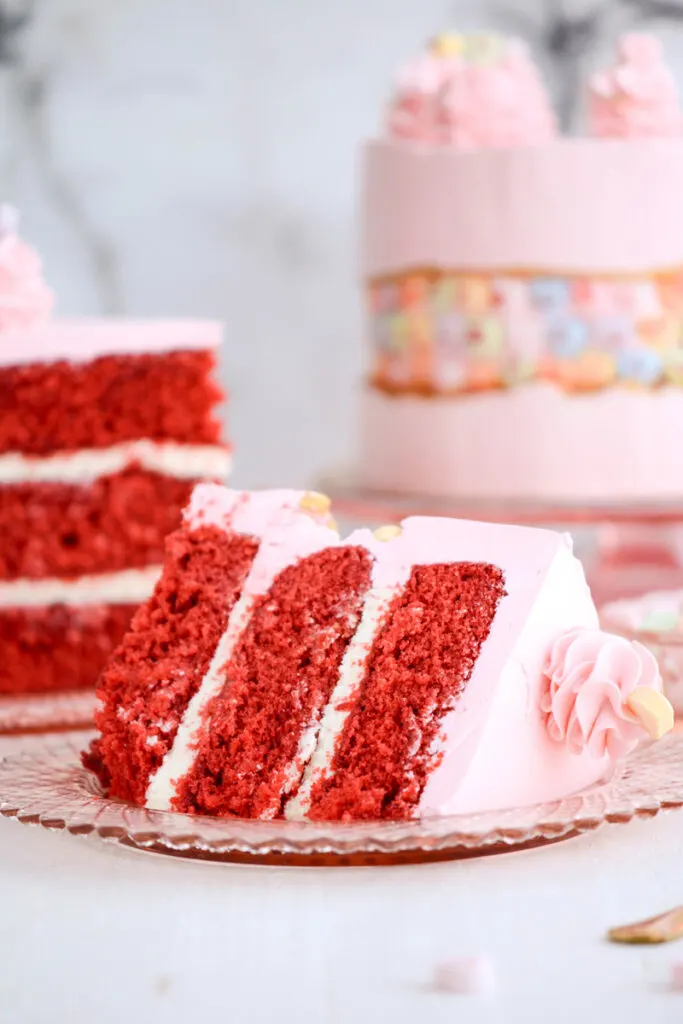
(25, 299)
(472, 92)
(589, 676)
(638, 96)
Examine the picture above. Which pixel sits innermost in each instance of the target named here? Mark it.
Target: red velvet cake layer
(59, 647)
(66, 406)
(157, 669)
(418, 668)
(68, 530)
(278, 681)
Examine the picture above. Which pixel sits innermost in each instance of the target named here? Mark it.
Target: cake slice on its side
(179, 639)
(435, 667)
(262, 725)
(453, 666)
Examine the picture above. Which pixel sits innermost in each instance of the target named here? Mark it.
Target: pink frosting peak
(25, 299)
(589, 676)
(638, 96)
(472, 92)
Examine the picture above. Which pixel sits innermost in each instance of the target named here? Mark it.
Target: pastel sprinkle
(653, 711)
(660, 620)
(314, 502)
(676, 977)
(469, 975)
(388, 532)
(449, 44)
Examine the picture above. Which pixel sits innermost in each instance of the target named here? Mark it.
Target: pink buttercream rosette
(470, 103)
(588, 677)
(637, 98)
(25, 299)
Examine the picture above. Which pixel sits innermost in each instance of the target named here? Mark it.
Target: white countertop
(90, 932)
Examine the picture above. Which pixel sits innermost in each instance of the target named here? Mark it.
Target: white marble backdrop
(198, 157)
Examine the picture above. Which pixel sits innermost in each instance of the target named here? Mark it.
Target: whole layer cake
(106, 426)
(524, 290)
(435, 667)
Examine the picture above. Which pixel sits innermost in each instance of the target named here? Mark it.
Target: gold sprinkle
(449, 44)
(652, 709)
(387, 532)
(314, 502)
(663, 928)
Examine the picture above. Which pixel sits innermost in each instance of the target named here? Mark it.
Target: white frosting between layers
(351, 672)
(287, 533)
(180, 756)
(130, 586)
(182, 461)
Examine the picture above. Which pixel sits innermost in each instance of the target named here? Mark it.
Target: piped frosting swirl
(638, 96)
(25, 299)
(471, 92)
(589, 678)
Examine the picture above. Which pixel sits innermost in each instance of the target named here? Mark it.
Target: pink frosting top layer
(520, 551)
(610, 205)
(286, 522)
(79, 341)
(250, 512)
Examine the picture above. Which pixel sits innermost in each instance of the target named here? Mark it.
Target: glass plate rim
(649, 781)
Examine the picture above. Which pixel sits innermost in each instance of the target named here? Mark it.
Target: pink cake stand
(626, 549)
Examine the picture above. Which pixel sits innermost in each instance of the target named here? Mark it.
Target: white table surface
(93, 933)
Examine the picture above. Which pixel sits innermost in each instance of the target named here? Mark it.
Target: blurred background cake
(524, 289)
(106, 426)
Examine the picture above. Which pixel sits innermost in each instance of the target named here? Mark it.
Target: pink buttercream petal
(636, 98)
(589, 675)
(641, 49)
(500, 102)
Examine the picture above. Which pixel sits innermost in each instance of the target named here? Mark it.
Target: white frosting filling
(351, 672)
(180, 756)
(131, 586)
(256, 515)
(182, 461)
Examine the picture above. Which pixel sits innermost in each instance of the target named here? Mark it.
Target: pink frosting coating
(25, 299)
(589, 676)
(287, 529)
(637, 97)
(470, 103)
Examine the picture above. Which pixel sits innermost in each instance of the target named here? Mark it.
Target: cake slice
(439, 707)
(156, 688)
(106, 427)
(434, 667)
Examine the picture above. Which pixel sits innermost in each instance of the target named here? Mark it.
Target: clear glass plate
(50, 711)
(47, 786)
(644, 618)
